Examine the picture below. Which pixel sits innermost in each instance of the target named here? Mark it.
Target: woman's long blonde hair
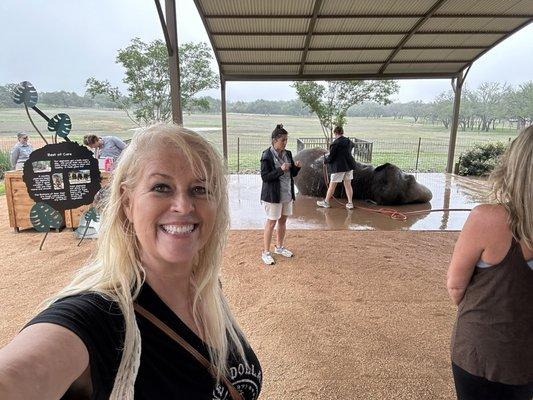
(512, 187)
(116, 271)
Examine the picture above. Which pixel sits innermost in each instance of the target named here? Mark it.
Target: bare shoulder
(489, 215)
(490, 222)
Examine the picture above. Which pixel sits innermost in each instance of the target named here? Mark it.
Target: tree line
(147, 96)
(481, 109)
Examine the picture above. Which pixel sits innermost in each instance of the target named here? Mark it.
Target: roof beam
(310, 31)
(347, 62)
(350, 48)
(413, 30)
(352, 33)
(362, 16)
(337, 77)
(198, 5)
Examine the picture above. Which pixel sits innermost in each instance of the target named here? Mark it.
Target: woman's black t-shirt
(167, 371)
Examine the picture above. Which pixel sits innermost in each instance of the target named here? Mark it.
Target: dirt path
(355, 315)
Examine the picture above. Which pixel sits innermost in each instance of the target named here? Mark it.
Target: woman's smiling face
(170, 211)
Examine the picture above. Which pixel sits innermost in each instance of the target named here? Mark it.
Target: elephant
(385, 185)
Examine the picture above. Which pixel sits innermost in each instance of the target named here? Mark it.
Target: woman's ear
(126, 202)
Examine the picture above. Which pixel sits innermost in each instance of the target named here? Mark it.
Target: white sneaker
(323, 203)
(283, 251)
(267, 258)
(349, 206)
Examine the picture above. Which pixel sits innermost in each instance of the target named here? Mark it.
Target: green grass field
(395, 141)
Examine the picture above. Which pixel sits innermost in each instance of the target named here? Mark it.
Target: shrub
(481, 159)
(5, 164)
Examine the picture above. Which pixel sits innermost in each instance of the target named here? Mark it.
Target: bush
(5, 164)
(480, 160)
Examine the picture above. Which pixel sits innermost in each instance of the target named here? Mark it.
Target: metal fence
(362, 149)
(417, 154)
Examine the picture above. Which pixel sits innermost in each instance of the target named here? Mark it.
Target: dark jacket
(271, 189)
(340, 158)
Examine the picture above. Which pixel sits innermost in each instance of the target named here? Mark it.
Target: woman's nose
(183, 203)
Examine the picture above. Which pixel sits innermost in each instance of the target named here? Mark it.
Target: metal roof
(363, 39)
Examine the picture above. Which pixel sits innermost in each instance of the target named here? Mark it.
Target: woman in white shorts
(341, 165)
(277, 193)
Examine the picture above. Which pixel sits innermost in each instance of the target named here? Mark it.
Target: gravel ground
(354, 315)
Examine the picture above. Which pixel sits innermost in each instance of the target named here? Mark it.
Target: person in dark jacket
(341, 166)
(277, 193)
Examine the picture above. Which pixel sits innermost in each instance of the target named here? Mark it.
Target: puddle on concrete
(449, 191)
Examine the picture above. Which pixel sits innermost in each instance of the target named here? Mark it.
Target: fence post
(418, 153)
(238, 153)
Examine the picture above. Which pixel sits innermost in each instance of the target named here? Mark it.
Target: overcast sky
(58, 44)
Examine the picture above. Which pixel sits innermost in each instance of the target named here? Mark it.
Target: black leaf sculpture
(43, 217)
(90, 215)
(60, 124)
(25, 93)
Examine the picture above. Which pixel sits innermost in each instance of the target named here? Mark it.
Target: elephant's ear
(25, 93)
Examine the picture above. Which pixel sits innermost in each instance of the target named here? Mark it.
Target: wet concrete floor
(449, 191)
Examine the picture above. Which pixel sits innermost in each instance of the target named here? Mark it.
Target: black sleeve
(294, 168)
(267, 173)
(99, 323)
(333, 150)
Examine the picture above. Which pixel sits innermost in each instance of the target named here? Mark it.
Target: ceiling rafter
(367, 33)
(457, 39)
(413, 30)
(345, 62)
(361, 16)
(310, 31)
(350, 48)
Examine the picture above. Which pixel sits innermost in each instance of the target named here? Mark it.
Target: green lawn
(2, 188)
(395, 141)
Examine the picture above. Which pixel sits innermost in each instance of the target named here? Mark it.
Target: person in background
(164, 226)
(107, 146)
(277, 193)
(21, 151)
(490, 279)
(341, 166)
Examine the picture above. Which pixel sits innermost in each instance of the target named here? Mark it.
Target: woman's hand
(285, 166)
(298, 163)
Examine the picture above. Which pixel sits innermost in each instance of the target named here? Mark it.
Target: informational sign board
(62, 175)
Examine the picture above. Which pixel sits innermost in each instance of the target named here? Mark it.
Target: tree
(148, 81)
(520, 104)
(330, 102)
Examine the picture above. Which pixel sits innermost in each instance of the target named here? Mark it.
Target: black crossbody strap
(234, 393)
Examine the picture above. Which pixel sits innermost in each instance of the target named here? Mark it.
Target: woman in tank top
(490, 279)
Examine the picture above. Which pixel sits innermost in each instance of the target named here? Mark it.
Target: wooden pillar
(457, 85)
(224, 122)
(173, 62)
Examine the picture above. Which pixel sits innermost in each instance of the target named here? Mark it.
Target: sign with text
(62, 175)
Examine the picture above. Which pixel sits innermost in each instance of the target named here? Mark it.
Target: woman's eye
(199, 190)
(161, 188)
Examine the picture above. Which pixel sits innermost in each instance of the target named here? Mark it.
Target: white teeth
(177, 229)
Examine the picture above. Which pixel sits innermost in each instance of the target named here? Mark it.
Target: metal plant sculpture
(90, 215)
(44, 217)
(25, 93)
